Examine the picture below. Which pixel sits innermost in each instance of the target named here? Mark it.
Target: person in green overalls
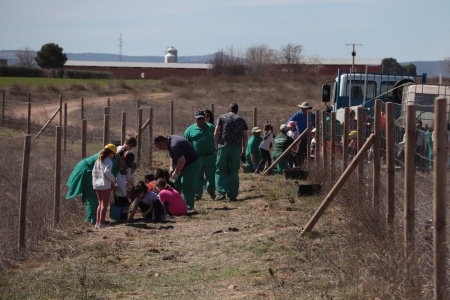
(201, 136)
(231, 139)
(281, 142)
(252, 153)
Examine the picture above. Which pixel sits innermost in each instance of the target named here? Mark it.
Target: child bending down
(172, 200)
(149, 204)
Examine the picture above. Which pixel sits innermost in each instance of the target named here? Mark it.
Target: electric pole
(120, 47)
(353, 55)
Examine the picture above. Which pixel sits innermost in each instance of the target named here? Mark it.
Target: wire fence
(23, 114)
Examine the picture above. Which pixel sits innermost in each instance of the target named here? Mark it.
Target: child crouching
(149, 204)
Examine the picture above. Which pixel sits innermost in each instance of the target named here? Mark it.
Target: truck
(355, 89)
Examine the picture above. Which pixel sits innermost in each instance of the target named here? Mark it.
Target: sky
(405, 30)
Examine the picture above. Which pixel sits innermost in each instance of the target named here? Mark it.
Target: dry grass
(250, 249)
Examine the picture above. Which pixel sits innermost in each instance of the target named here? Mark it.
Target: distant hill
(432, 68)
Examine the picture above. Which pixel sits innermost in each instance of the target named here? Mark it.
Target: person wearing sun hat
(252, 153)
(301, 120)
(103, 180)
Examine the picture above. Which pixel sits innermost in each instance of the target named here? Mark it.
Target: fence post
(332, 144)
(410, 176)
(60, 109)
(83, 138)
(105, 129)
(212, 108)
(108, 104)
(65, 127)
(150, 138)
(308, 137)
(139, 146)
(3, 105)
(29, 114)
(440, 198)
(318, 140)
(390, 166)
(138, 106)
(345, 138)
(171, 117)
(24, 191)
(57, 183)
(376, 157)
(124, 127)
(82, 108)
(360, 142)
(324, 140)
(255, 116)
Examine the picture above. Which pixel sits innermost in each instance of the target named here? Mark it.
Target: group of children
(112, 170)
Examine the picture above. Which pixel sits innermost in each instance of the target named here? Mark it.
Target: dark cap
(200, 114)
(233, 107)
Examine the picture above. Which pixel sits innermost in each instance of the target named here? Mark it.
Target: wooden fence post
(255, 116)
(65, 127)
(324, 139)
(3, 105)
(308, 137)
(108, 104)
(440, 198)
(410, 178)
(357, 160)
(150, 139)
(390, 166)
(57, 182)
(24, 191)
(82, 108)
(60, 109)
(171, 117)
(376, 157)
(83, 138)
(29, 114)
(360, 142)
(105, 129)
(345, 138)
(124, 127)
(318, 141)
(332, 145)
(138, 106)
(139, 141)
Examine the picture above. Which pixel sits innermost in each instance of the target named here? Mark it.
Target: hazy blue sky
(406, 30)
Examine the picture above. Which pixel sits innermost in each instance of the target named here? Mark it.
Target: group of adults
(207, 153)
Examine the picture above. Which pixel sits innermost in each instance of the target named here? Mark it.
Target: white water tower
(170, 55)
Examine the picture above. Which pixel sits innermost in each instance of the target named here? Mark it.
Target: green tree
(410, 70)
(51, 56)
(391, 66)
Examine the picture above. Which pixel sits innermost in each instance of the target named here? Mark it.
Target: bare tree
(25, 57)
(259, 59)
(229, 62)
(446, 65)
(290, 56)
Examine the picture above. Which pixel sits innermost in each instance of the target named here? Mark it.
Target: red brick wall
(149, 73)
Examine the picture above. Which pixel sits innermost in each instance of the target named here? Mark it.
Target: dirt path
(223, 250)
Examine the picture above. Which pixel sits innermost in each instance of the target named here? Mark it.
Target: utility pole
(353, 55)
(120, 47)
